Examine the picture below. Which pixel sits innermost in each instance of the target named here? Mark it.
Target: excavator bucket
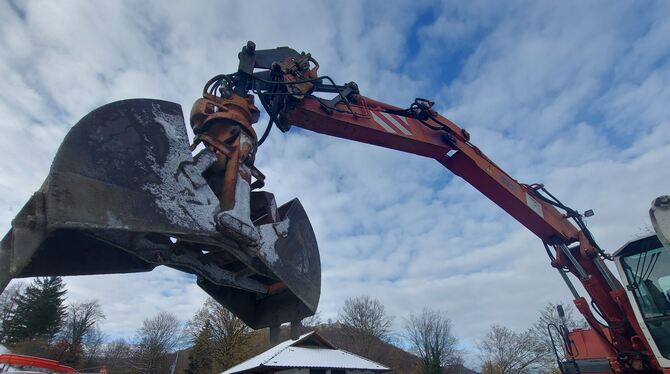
(125, 194)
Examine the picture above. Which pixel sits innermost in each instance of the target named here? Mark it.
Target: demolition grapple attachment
(126, 194)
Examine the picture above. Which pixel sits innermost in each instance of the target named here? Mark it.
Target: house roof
(308, 351)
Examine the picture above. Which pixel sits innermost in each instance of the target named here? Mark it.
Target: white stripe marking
(534, 205)
(382, 123)
(396, 123)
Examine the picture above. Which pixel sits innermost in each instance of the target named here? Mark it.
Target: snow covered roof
(308, 351)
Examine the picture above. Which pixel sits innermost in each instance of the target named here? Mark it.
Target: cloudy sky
(569, 94)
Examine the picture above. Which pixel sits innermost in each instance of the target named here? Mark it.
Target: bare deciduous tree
(159, 336)
(432, 338)
(312, 321)
(8, 305)
(367, 315)
(94, 342)
(229, 334)
(7, 298)
(79, 329)
(118, 357)
(504, 351)
(81, 320)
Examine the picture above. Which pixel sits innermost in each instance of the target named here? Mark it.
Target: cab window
(648, 275)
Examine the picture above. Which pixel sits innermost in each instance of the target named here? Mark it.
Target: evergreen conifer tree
(39, 312)
(201, 358)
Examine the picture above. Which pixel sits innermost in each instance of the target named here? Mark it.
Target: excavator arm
(425, 133)
(289, 91)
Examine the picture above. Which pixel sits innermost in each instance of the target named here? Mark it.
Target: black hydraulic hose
(266, 132)
(567, 349)
(332, 82)
(575, 216)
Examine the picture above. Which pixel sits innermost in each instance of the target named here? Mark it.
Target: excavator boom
(289, 91)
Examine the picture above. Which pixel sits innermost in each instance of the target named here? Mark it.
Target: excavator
(128, 191)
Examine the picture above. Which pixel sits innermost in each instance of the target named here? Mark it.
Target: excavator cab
(644, 268)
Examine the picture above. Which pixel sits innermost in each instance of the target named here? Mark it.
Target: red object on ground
(37, 362)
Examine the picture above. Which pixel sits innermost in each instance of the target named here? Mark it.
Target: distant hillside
(399, 360)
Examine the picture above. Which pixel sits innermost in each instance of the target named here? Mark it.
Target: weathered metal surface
(294, 258)
(127, 165)
(124, 194)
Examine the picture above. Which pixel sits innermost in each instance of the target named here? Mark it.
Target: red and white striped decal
(391, 122)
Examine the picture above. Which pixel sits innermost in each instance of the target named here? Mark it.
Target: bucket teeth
(125, 194)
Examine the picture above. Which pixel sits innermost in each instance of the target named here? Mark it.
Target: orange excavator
(127, 192)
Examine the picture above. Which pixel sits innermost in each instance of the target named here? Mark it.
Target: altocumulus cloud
(569, 94)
